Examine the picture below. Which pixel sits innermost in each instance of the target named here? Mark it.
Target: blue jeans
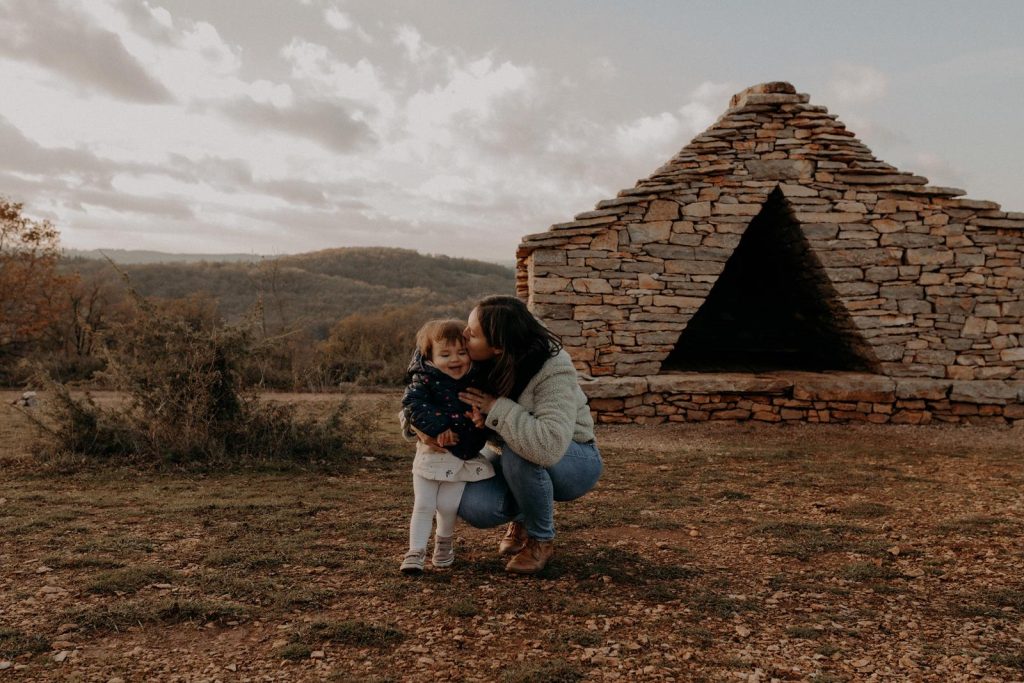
(523, 491)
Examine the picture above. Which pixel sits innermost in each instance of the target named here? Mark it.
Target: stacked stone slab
(933, 282)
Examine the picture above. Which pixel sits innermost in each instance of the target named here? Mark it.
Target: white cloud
(648, 131)
(858, 84)
(268, 92)
(412, 43)
(338, 19)
(652, 135)
(318, 70)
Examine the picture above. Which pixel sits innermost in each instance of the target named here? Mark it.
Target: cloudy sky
(281, 126)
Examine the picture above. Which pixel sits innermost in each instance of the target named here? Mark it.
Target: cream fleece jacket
(551, 412)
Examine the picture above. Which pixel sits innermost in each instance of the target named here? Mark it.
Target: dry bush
(374, 348)
(183, 403)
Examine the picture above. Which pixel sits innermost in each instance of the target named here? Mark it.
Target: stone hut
(775, 270)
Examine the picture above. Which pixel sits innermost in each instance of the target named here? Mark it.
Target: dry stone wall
(933, 282)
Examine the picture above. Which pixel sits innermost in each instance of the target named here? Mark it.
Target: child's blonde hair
(434, 331)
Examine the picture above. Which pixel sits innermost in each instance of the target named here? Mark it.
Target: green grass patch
(129, 579)
(351, 633)
(708, 602)
(697, 635)
(622, 565)
(867, 510)
(866, 571)
(249, 561)
(549, 671)
(14, 643)
(116, 545)
(463, 608)
(1011, 660)
(804, 632)
(562, 640)
(804, 540)
(1000, 603)
(125, 614)
(82, 561)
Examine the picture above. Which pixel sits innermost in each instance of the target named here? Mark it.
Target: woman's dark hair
(525, 343)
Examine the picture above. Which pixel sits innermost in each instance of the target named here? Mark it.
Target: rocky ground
(707, 552)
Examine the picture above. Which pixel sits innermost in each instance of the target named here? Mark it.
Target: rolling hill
(316, 289)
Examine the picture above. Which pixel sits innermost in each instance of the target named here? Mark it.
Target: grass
(82, 561)
(349, 633)
(975, 525)
(712, 603)
(575, 636)
(463, 608)
(867, 510)
(1011, 660)
(129, 579)
(14, 643)
(620, 564)
(118, 616)
(550, 671)
(995, 603)
(867, 571)
(805, 540)
(698, 635)
(804, 632)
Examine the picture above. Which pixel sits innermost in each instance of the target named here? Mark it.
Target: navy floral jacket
(431, 404)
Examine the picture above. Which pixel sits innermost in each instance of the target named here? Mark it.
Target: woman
(541, 415)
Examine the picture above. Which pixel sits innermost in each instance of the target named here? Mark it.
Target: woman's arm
(543, 435)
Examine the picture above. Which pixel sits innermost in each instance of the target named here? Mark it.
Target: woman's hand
(477, 400)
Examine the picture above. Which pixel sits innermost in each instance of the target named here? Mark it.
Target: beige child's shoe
(413, 561)
(444, 552)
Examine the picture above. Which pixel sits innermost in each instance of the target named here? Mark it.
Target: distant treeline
(327, 317)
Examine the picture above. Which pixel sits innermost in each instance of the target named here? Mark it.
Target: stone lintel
(718, 383)
(847, 386)
(911, 388)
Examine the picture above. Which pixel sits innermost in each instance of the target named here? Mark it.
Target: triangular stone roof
(740, 147)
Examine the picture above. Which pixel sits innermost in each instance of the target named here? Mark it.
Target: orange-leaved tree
(31, 288)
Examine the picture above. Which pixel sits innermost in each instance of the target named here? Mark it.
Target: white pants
(432, 496)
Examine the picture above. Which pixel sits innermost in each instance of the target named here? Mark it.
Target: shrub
(182, 402)
(374, 348)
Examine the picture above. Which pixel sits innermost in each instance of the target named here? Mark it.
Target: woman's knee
(577, 472)
(484, 503)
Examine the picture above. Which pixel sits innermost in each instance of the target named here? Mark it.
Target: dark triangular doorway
(772, 308)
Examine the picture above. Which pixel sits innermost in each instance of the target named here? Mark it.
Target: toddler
(439, 370)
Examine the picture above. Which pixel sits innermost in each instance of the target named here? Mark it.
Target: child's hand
(447, 438)
(425, 438)
(477, 417)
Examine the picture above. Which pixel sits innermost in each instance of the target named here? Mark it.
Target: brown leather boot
(514, 539)
(532, 558)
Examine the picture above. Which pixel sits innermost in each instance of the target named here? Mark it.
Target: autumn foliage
(32, 291)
